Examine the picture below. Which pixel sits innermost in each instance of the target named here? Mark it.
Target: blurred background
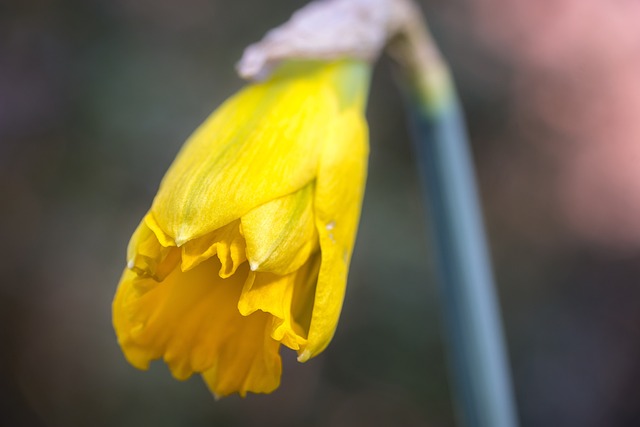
(96, 98)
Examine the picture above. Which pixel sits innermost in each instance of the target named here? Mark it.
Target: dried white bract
(326, 29)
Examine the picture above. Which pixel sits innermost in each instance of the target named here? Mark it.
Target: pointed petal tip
(304, 356)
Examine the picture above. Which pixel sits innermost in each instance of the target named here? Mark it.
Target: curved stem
(471, 311)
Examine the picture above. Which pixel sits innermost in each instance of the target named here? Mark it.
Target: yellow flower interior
(211, 307)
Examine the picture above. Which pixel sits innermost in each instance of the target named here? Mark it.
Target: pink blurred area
(577, 80)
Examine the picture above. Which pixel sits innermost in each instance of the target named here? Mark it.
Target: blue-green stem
(482, 383)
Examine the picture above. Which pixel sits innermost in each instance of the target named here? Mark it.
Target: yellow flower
(248, 241)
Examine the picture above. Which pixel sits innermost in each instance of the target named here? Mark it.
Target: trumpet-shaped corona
(248, 242)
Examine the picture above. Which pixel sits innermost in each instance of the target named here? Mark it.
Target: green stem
(471, 312)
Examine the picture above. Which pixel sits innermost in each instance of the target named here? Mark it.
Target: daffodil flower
(248, 242)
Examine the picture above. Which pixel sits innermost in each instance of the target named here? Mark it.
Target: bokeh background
(96, 98)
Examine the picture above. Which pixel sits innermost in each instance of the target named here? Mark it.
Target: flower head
(248, 242)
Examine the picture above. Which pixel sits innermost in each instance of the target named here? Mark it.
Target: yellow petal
(250, 363)
(288, 298)
(147, 257)
(339, 191)
(262, 144)
(281, 234)
(191, 320)
(226, 242)
(164, 239)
